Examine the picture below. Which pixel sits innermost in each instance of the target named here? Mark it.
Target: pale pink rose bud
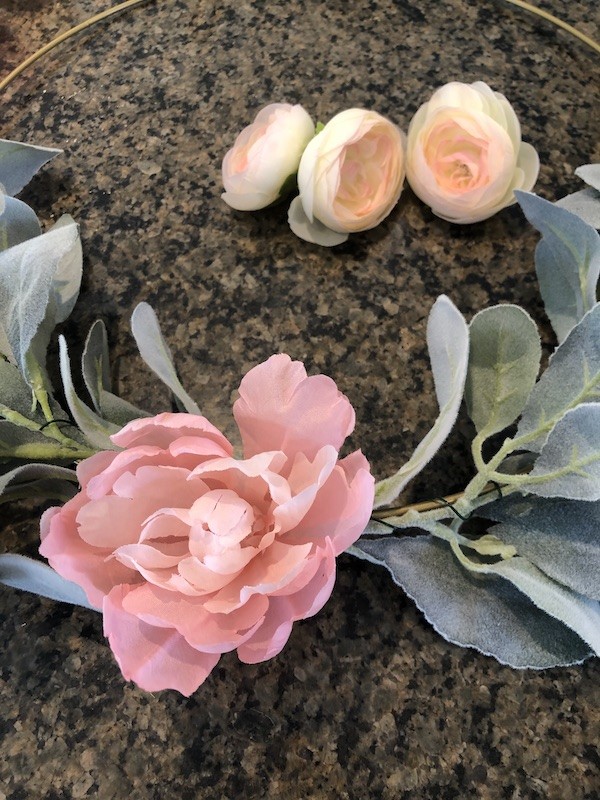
(350, 177)
(464, 155)
(265, 154)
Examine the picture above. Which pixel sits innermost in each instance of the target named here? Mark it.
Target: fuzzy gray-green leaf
(567, 261)
(571, 378)
(155, 352)
(21, 572)
(32, 472)
(95, 366)
(96, 429)
(504, 361)
(448, 345)
(18, 223)
(579, 613)
(569, 463)
(585, 204)
(590, 173)
(19, 162)
(39, 281)
(561, 537)
(486, 612)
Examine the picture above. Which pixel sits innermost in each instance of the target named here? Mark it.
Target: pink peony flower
(190, 552)
(464, 156)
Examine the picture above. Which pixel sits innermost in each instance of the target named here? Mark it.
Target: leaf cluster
(513, 568)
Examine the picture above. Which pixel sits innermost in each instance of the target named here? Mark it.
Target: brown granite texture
(366, 700)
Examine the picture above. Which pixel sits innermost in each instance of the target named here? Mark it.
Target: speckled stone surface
(366, 700)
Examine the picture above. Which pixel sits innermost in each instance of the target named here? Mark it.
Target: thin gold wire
(67, 35)
(132, 3)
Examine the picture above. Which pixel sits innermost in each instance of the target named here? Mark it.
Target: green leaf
(45, 488)
(503, 364)
(95, 366)
(572, 378)
(590, 173)
(561, 537)
(448, 344)
(33, 472)
(39, 283)
(567, 261)
(486, 612)
(19, 162)
(585, 204)
(155, 352)
(18, 223)
(579, 613)
(30, 575)
(569, 463)
(97, 430)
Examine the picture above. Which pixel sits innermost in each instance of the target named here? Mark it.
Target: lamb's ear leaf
(504, 361)
(567, 261)
(585, 204)
(32, 472)
(19, 162)
(25, 573)
(485, 612)
(558, 536)
(18, 223)
(569, 463)
(590, 173)
(571, 378)
(39, 284)
(155, 352)
(448, 344)
(96, 429)
(95, 366)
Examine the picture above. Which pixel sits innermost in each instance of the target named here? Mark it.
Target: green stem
(42, 451)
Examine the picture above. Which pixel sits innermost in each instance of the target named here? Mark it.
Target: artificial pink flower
(190, 552)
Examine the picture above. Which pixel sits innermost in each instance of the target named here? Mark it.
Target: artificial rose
(190, 552)
(350, 177)
(265, 154)
(464, 154)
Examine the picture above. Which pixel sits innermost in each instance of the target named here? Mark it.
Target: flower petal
(76, 560)
(342, 507)
(280, 408)
(155, 658)
(273, 634)
(163, 429)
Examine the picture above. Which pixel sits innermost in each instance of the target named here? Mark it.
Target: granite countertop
(366, 700)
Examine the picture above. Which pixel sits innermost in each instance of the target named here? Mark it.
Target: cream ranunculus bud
(464, 155)
(265, 154)
(350, 177)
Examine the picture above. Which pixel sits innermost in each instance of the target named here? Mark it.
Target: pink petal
(154, 658)
(305, 480)
(125, 461)
(271, 637)
(211, 633)
(274, 568)
(94, 465)
(76, 560)
(342, 507)
(273, 634)
(280, 408)
(165, 428)
(111, 521)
